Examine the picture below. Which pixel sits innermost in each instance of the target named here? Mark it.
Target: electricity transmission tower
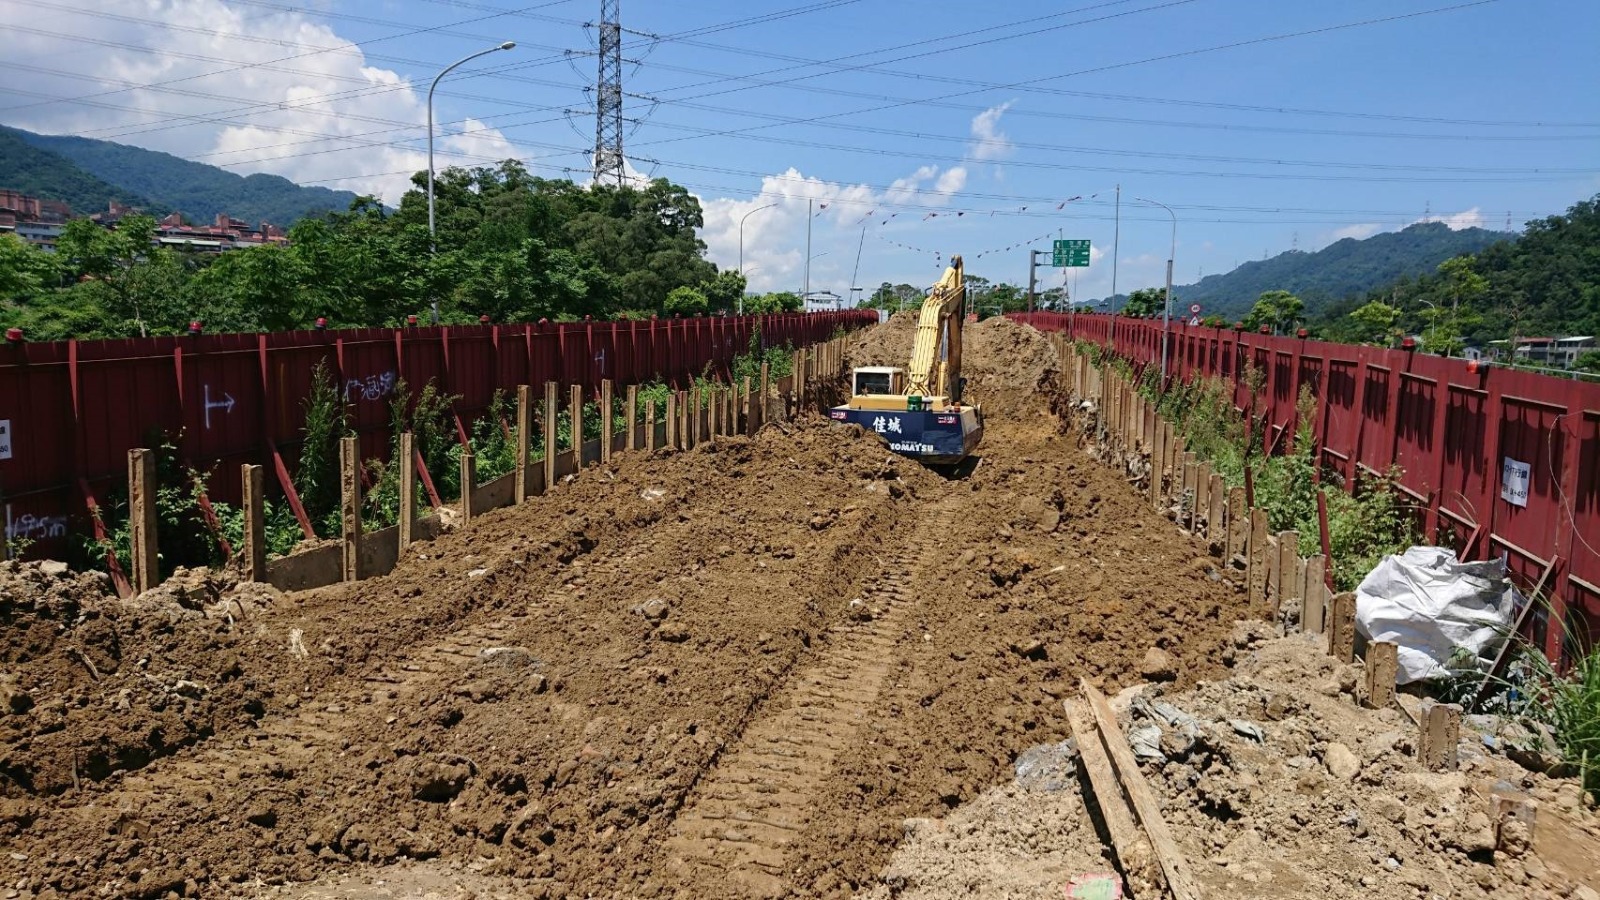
(608, 165)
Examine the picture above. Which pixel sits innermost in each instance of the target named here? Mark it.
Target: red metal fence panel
(73, 409)
(1450, 430)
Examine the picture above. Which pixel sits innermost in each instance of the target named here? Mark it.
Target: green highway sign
(1071, 254)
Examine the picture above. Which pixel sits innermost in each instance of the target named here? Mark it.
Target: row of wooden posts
(688, 418)
(1283, 585)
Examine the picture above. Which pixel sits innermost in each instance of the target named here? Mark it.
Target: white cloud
(952, 180)
(1359, 232)
(1472, 218)
(989, 141)
(775, 238)
(232, 104)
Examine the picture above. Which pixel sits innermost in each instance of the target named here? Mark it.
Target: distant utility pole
(608, 164)
(1033, 259)
(1116, 243)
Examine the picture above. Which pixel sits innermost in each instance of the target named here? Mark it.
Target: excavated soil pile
(1276, 784)
(729, 672)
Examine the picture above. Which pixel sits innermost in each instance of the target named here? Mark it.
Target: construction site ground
(789, 665)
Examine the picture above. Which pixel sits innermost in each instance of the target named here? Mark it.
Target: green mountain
(1546, 282)
(41, 173)
(1344, 268)
(98, 171)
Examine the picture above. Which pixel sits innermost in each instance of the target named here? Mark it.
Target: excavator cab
(918, 410)
(878, 380)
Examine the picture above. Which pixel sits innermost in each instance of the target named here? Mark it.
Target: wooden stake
(1186, 497)
(1441, 730)
(142, 519)
(552, 396)
(1238, 525)
(608, 428)
(672, 420)
(1256, 575)
(650, 424)
(1285, 588)
(524, 437)
(1216, 523)
(469, 481)
(1133, 850)
(5, 536)
(749, 407)
(633, 417)
(1382, 666)
(766, 391)
(1313, 594)
(1179, 880)
(350, 498)
(696, 412)
(1342, 627)
(408, 491)
(1157, 464)
(252, 479)
(575, 410)
(1202, 497)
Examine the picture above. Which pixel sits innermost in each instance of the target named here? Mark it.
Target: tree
(685, 301)
(1375, 322)
(725, 290)
(1145, 302)
(23, 270)
(774, 302)
(1588, 361)
(1278, 310)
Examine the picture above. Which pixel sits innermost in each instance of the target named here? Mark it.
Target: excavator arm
(929, 373)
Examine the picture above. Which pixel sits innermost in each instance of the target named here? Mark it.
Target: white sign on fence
(5, 438)
(1514, 479)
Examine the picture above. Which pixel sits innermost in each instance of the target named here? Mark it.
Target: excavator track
(744, 816)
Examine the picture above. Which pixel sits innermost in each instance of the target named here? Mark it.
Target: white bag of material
(1430, 606)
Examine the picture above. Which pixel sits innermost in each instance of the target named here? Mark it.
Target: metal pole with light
(741, 245)
(1166, 318)
(505, 46)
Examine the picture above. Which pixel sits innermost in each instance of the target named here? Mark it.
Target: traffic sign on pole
(1070, 254)
(1195, 308)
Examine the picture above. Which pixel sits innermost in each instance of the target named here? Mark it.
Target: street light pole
(505, 46)
(741, 245)
(1166, 318)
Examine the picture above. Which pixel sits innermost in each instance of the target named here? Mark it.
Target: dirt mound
(93, 685)
(543, 688)
(724, 673)
(886, 344)
(1276, 785)
(1011, 369)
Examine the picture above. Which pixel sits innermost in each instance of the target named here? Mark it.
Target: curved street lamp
(741, 245)
(505, 46)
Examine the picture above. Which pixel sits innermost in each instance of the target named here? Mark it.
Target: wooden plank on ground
(1127, 840)
(1180, 881)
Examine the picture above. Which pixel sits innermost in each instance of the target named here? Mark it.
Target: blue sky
(927, 128)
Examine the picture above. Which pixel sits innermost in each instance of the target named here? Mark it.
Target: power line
(1113, 66)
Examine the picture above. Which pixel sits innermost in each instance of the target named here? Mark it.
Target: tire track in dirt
(743, 817)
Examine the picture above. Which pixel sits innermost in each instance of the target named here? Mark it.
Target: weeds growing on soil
(1365, 524)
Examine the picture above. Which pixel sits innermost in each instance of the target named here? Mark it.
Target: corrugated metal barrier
(1500, 461)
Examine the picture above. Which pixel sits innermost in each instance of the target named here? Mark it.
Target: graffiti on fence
(30, 527)
(225, 404)
(372, 387)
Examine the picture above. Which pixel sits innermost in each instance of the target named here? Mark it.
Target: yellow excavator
(918, 410)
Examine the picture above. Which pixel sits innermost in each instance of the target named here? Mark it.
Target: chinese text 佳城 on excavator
(918, 409)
